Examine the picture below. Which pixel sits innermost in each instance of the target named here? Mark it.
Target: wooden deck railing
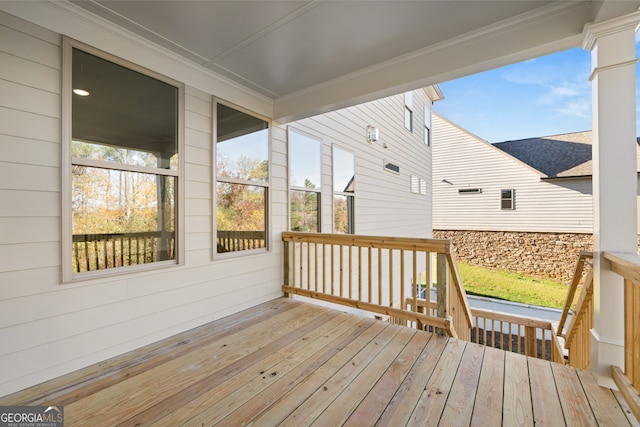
(509, 332)
(627, 265)
(92, 252)
(377, 274)
(577, 337)
(233, 240)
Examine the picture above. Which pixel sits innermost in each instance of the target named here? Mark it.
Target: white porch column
(614, 180)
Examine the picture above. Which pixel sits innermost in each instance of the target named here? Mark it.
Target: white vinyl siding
(49, 328)
(465, 161)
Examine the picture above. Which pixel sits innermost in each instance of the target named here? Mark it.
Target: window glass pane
(343, 214)
(408, 118)
(305, 161)
(121, 218)
(242, 148)
(241, 217)
(122, 116)
(343, 170)
(506, 201)
(304, 211)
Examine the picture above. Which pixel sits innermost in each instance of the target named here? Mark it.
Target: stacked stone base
(547, 255)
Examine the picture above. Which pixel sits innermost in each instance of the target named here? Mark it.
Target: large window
(242, 167)
(343, 190)
(123, 142)
(305, 181)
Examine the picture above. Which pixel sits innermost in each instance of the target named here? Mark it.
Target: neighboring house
(128, 258)
(529, 200)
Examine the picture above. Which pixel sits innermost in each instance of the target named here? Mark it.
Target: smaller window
(408, 118)
(427, 125)
(507, 199)
(408, 111)
(390, 167)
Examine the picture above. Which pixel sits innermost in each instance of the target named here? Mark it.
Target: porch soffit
(310, 57)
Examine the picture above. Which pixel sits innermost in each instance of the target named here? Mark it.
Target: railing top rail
(513, 318)
(577, 275)
(625, 264)
(404, 243)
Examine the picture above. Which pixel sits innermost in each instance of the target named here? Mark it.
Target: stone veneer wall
(547, 255)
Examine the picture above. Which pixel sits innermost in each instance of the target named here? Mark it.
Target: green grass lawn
(512, 286)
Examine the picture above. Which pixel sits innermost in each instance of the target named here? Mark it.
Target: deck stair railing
(577, 337)
(379, 275)
(627, 265)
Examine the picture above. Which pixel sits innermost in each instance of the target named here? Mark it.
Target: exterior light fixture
(372, 134)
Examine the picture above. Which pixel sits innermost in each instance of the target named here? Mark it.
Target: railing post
(442, 294)
(288, 266)
(530, 341)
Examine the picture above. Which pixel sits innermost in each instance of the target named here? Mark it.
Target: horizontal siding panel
(28, 73)
(198, 139)
(198, 156)
(14, 149)
(16, 284)
(198, 190)
(198, 122)
(16, 176)
(29, 230)
(29, 204)
(27, 256)
(20, 38)
(24, 98)
(198, 224)
(28, 125)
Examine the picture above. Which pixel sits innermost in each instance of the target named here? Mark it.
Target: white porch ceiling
(310, 57)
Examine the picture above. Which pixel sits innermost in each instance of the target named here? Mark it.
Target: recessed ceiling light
(81, 92)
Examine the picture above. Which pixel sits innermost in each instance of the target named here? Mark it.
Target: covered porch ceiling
(310, 57)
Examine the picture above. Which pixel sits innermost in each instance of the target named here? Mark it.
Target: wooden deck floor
(292, 363)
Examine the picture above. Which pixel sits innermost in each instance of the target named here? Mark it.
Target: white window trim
(68, 276)
(214, 171)
(512, 199)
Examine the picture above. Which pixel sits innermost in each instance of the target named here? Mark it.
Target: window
(418, 185)
(242, 169)
(343, 191)
(427, 126)
(305, 181)
(470, 191)
(507, 199)
(123, 140)
(408, 111)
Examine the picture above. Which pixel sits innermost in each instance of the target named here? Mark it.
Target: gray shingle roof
(556, 156)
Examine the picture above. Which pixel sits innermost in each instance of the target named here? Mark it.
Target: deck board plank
(604, 405)
(435, 394)
(119, 402)
(352, 395)
(372, 406)
(403, 403)
(326, 393)
(547, 410)
(517, 408)
(224, 397)
(301, 363)
(281, 409)
(284, 383)
(575, 405)
(459, 406)
(487, 410)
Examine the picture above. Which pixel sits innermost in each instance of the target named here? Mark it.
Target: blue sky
(548, 95)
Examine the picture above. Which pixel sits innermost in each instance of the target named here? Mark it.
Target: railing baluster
(379, 275)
